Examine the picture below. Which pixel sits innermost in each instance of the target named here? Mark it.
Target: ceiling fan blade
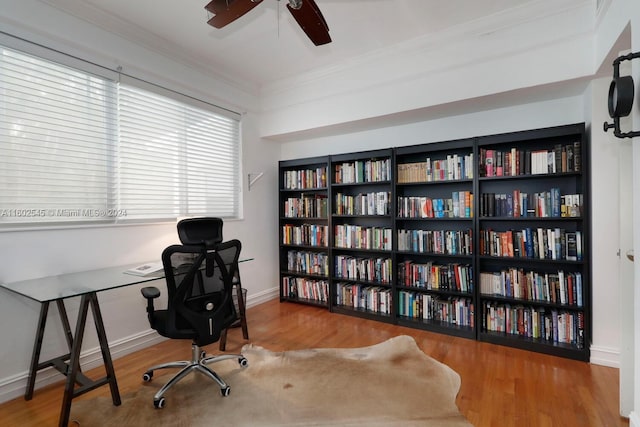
(227, 11)
(311, 21)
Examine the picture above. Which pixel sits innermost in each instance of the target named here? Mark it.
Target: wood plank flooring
(501, 386)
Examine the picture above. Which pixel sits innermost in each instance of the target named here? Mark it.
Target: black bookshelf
(535, 283)
(427, 236)
(304, 207)
(362, 234)
(435, 284)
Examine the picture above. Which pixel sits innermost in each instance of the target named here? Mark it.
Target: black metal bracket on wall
(621, 94)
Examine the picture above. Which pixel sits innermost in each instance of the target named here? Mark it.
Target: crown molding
(129, 31)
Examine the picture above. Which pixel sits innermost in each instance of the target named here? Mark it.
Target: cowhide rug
(388, 384)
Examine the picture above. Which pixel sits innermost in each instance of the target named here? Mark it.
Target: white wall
(508, 119)
(29, 254)
(605, 205)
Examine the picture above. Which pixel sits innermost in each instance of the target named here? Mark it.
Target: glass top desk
(86, 285)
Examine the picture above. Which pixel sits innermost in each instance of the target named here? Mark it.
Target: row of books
(305, 179)
(561, 158)
(558, 288)
(460, 205)
(363, 171)
(538, 243)
(375, 299)
(308, 262)
(451, 310)
(358, 237)
(377, 270)
(375, 203)
(453, 167)
(446, 242)
(535, 322)
(544, 204)
(306, 207)
(305, 234)
(304, 288)
(448, 277)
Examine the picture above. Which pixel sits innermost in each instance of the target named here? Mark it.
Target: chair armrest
(150, 292)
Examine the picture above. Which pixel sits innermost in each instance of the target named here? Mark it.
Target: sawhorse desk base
(69, 364)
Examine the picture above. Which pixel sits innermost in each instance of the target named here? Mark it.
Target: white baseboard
(634, 419)
(605, 356)
(15, 386)
(264, 296)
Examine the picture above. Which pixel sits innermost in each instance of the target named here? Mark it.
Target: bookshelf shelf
(362, 313)
(529, 219)
(438, 221)
(520, 301)
(528, 177)
(438, 326)
(398, 219)
(311, 190)
(360, 184)
(305, 301)
(544, 346)
(435, 255)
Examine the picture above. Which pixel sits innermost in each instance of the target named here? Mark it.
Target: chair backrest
(200, 283)
(200, 231)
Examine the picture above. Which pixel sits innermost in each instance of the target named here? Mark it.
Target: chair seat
(160, 319)
(162, 324)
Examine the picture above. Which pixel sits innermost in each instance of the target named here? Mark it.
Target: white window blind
(56, 135)
(175, 159)
(76, 147)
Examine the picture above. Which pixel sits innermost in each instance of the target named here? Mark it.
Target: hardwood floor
(501, 386)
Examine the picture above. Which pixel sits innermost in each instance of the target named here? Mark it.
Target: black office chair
(199, 307)
(208, 231)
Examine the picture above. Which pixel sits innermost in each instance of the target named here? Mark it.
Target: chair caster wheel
(146, 377)
(225, 391)
(203, 354)
(243, 362)
(158, 403)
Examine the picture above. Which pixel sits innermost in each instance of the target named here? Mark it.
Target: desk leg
(106, 354)
(35, 357)
(74, 361)
(65, 323)
(37, 346)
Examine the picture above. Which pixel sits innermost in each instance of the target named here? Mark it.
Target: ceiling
(267, 46)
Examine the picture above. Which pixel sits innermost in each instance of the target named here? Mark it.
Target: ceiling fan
(306, 13)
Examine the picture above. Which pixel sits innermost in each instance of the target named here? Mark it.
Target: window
(77, 147)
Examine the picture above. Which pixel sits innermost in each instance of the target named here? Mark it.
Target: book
(572, 249)
(489, 163)
(146, 269)
(577, 157)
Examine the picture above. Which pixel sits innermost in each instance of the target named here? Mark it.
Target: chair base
(199, 363)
